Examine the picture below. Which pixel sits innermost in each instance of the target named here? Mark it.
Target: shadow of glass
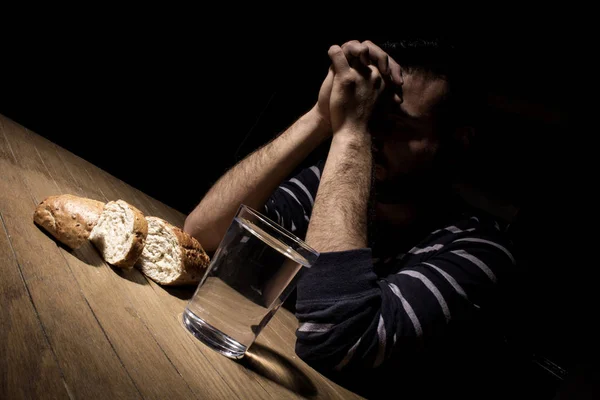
(278, 369)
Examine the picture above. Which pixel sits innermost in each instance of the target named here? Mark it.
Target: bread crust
(140, 232)
(194, 259)
(68, 218)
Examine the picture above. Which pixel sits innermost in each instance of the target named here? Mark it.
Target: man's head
(423, 125)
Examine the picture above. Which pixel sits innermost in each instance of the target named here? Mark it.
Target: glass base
(213, 338)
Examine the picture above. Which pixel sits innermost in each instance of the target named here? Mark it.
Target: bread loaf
(120, 233)
(68, 218)
(171, 256)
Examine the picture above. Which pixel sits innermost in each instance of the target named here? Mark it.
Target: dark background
(169, 111)
(169, 114)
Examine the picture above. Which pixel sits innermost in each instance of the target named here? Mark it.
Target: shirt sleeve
(292, 202)
(352, 319)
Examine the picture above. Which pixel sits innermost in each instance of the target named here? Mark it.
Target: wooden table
(73, 327)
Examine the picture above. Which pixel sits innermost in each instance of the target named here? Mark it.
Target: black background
(169, 109)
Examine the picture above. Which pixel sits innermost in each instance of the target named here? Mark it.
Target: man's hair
(450, 60)
(457, 63)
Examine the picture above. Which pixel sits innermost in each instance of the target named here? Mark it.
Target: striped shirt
(357, 312)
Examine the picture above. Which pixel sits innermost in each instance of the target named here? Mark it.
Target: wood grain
(90, 365)
(299, 379)
(162, 321)
(245, 383)
(72, 326)
(279, 334)
(29, 368)
(126, 332)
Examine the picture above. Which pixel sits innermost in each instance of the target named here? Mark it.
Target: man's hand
(324, 97)
(356, 86)
(365, 53)
(339, 217)
(369, 53)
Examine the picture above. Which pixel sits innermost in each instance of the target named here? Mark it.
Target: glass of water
(250, 276)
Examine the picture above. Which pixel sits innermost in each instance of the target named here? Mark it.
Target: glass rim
(279, 228)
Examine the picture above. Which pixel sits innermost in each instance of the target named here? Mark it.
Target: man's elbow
(194, 228)
(199, 230)
(188, 225)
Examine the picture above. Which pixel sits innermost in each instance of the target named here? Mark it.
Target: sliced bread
(171, 256)
(68, 218)
(120, 233)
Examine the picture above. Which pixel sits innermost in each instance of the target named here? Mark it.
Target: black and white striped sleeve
(352, 319)
(292, 202)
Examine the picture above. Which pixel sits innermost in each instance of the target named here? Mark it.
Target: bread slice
(120, 233)
(171, 256)
(68, 218)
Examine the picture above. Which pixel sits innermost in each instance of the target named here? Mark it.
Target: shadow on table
(131, 274)
(181, 292)
(278, 369)
(88, 254)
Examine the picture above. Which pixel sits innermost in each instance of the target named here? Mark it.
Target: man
(406, 275)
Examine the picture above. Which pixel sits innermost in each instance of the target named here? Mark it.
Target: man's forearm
(339, 217)
(252, 180)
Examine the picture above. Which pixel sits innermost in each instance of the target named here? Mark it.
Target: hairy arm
(252, 180)
(339, 219)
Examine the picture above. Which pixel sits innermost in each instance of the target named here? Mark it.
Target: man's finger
(349, 43)
(396, 72)
(338, 59)
(354, 50)
(378, 57)
(376, 76)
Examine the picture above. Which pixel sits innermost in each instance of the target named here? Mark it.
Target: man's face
(404, 132)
